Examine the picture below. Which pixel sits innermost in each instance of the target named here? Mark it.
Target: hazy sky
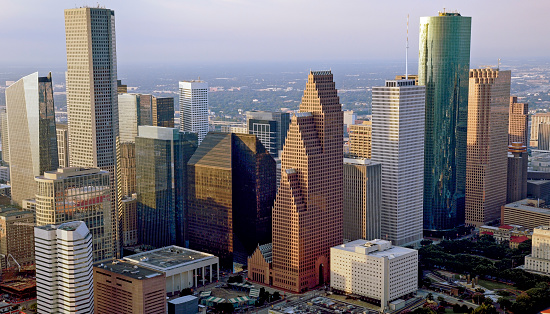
(183, 31)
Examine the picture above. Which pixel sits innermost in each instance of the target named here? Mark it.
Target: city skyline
(254, 32)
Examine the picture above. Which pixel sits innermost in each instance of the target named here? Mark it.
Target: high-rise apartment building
(16, 235)
(307, 216)
(163, 112)
(398, 144)
(62, 132)
(360, 140)
(4, 135)
(270, 128)
(32, 135)
(92, 99)
(486, 160)
(194, 107)
(517, 173)
(64, 278)
(362, 199)
(232, 186)
(70, 194)
(444, 62)
(536, 120)
(518, 122)
(161, 172)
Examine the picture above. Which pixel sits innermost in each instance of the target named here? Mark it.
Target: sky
(231, 31)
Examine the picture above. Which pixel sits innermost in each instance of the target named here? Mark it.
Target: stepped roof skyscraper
(308, 211)
(444, 62)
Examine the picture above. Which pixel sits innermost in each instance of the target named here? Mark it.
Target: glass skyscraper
(444, 61)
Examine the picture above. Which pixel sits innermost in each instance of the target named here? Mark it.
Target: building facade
(70, 194)
(444, 63)
(360, 140)
(527, 213)
(129, 107)
(398, 144)
(163, 112)
(161, 172)
(539, 260)
(62, 144)
(4, 136)
(194, 107)
(362, 199)
(544, 136)
(518, 126)
(374, 269)
(536, 120)
(517, 172)
(486, 158)
(33, 139)
(270, 128)
(64, 279)
(308, 211)
(232, 186)
(16, 235)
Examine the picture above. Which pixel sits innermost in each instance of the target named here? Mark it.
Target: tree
(478, 298)
(485, 309)
(423, 310)
(276, 296)
(224, 308)
(430, 296)
(186, 291)
(456, 308)
(504, 303)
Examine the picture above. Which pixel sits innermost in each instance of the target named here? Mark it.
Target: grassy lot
(491, 285)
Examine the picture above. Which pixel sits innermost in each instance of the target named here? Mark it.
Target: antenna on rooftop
(407, 52)
(498, 67)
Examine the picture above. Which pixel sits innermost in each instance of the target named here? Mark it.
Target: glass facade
(444, 61)
(270, 128)
(163, 111)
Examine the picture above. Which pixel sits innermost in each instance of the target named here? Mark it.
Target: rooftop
(376, 248)
(168, 257)
(128, 269)
(530, 205)
(183, 299)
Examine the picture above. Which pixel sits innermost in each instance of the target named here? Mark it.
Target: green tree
(485, 309)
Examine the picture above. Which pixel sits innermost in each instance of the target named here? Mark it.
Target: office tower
(194, 107)
(270, 128)
(486, 159)
(232, 186)
(121, 88)
(16, 236)
(70, 194)
(544, 136)
(129, 220)
(307, 216)
(126, 168)
(536, 120)
(163, 112)
(145, 109)
(408, 77)
(398, 144)
(161, 172)
(444, 62)
(123, 287)
(518, 122)
(349, 119)
(92, 101)
(4, 135)
(32, 135)
(64, 278)
(62, 132)
(360, 140)
(539, 259)
(362, 199)
(517, 173)
(129, 109)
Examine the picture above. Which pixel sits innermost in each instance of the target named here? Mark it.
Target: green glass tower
(444, 61)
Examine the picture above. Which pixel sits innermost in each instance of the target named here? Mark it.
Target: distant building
(514, 234)
(528, 213)
(270, 128)
(62, 144)
(516, 173)
(64, 278)
(539, 260)
(16, 236)
(32, 134)
(518, 122)
(185, 304)
(544, 136)
(536, 120)
(374, 269)
(4, 136)
(129, 220)
(539, 189)
(121, 88)
(349, 119)
(124, 287)
(130, 116)
(145, 109)
(235, 128)
(194, 107)
(4, 174)
(360, 140)
(163, 112)
(362, 199)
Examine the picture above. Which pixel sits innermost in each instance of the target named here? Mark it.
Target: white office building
(539, 260)
(194, 107)
(398, 144)
(374, 269)
(64, 277)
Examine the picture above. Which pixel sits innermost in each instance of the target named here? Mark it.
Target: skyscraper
(70, 194)
(360, 140)
(307, 215)
(161, 172)
(517, 173)
(4, 135)
(486, 161)
(544, 136)
(92, 101)
(163, 112)
(145, 109)
(536, 120)
(232, 186)
(398, 144)
(194, 107)
(270, 128)
(518, 122)
(444, 61)
(62, 144)
(64, 278)
(32, 135)
(130, 116)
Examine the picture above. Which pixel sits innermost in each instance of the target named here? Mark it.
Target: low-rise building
(123, 287)
(514, 234)
(539, 259)
(375, 270)
(182, 305)
(529, 213)
(16, 236)
(259, 264)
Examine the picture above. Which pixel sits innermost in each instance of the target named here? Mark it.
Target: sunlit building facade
(360, 140)
(62, 144)
(518, 122)
(194, 107)
(536, 120)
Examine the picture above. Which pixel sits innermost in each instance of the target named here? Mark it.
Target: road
(448, 298)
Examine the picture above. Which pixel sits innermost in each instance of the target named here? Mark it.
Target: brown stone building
(307, 216)
(360, 139)
(259, 264)
(486, 156)
(122, 287)
(16, 236)
(518, 122)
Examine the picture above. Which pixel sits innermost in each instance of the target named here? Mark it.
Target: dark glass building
(163, 111)
(270, 128)
(161, 172)
(232, 187)
(443, 67)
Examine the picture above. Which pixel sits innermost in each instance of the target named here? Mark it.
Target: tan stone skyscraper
(487, 156)
(518, 124)
(307, 216)
(360, 140)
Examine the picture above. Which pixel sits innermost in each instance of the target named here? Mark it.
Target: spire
(407, 52)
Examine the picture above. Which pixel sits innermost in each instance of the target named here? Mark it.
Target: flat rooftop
(524, 205)
(127, 269)
(390, 252)
(169, 257)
